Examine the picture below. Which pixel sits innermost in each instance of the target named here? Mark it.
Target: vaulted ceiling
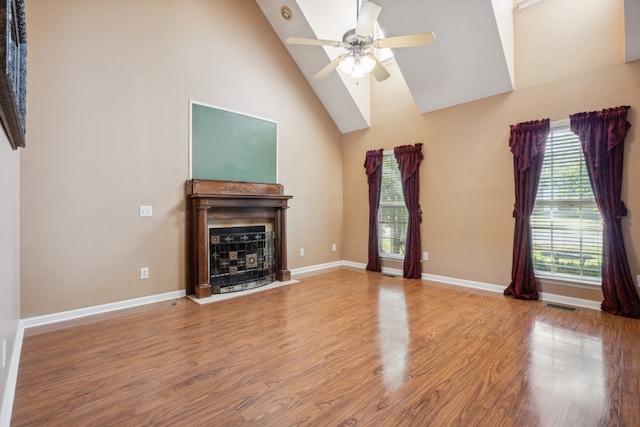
(472, 56)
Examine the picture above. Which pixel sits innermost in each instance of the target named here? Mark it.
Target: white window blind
(392, 212)
(566, 224)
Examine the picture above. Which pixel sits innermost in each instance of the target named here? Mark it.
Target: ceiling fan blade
(313, 42)
(369, 12)
(329, 68)
(421, 39)
(379, 72)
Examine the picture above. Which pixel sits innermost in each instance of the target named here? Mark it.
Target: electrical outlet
(425, 256)
(301, 251)
(4, 353)
(146, 210)
(333, 247)
(144, 273)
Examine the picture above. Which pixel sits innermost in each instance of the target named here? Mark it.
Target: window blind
(566, 224)
(393, 216)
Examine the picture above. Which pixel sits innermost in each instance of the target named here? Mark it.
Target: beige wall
(109, 88)
(563, 66)
(9, 253)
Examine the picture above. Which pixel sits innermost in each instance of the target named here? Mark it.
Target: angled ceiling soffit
(631, 30)
(468, 60)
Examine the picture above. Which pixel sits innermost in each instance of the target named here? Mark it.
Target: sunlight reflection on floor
(566, 366)
(393, 329)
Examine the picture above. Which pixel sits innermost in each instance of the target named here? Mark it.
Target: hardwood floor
(341, 348)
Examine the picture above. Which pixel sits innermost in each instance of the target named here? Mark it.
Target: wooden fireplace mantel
(208, 199)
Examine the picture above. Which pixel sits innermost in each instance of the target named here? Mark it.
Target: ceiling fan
(359, 60)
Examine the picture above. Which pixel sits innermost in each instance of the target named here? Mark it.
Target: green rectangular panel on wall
(229, 146)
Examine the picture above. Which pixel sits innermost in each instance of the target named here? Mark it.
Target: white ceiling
(472, 56)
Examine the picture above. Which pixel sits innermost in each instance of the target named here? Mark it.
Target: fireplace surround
(209, 200)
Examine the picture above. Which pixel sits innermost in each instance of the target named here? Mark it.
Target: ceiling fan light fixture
(346, 66)
(357, 72)
(357, 65)
(367, 63)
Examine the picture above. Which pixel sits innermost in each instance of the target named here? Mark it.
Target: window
(566, 224)
(393, 216)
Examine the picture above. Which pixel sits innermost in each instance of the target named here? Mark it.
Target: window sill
(567, 281)
(392, 257)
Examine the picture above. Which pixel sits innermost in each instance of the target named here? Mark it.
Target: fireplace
(211, 203)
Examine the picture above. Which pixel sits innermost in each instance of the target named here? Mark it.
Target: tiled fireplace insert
(240, 258)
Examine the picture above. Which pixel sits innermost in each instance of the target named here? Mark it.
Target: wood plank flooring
(342, 348)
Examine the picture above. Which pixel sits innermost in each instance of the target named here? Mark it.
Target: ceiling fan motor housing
(353, 39)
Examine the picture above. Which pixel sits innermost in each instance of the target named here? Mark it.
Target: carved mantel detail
(208, 199)
(238, 187)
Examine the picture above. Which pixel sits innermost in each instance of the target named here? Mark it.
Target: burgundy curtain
(527, 141)
(373, 166)
(409, 158)
(602, 135)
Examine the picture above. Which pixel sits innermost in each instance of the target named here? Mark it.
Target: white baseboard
(577, 302)
(561, 299)
(46, 319)
(464, 283)
(362, 266)
(392, 271)
(354, 264)
(12, 378)
(316, 267)
(105, 308)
